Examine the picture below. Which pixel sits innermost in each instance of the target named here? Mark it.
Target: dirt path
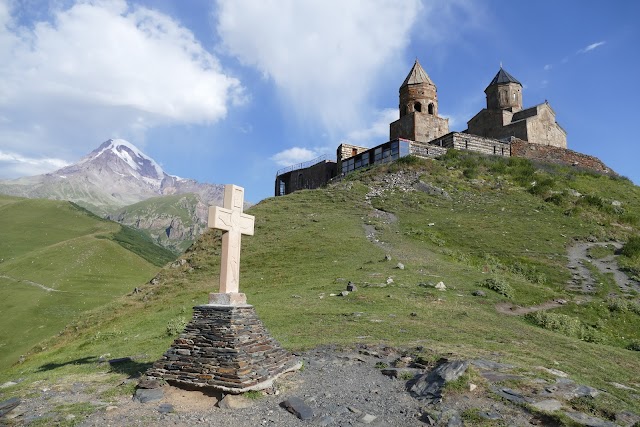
(583, 281)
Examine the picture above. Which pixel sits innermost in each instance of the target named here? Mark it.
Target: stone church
(503, 128)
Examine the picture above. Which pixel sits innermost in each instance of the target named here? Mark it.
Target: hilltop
(495, 231)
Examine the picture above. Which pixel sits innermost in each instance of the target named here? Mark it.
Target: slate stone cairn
(224, 347)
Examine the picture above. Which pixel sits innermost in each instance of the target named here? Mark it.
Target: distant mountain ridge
(118, 174)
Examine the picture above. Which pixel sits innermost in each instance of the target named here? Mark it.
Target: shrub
(565, 325)
(631, 249)
(634, 345)
(499, 285)
(176, 325)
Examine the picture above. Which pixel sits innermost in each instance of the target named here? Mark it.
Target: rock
(351, 287)
(387, 257)
(455, 420)
(389, 281)
(344, 293)
(429, 386)
(9, 405)
(413, 314)
(149, 383)
(510, 395)
(367, 419)
(297, 407)
(490, 365)
(490, 415)
(555, 372)
(616, 203)
(8, 384)
(144, 395)
(325, 421)
(478, 293)
(472, 386)
(401, 372)
(585, 391)
(561, 301)
(440, 286)
(400, 266)
(627, 418)
(354, 410)
(234, 401)
(587, 420)
(548, 405)
(165, 408)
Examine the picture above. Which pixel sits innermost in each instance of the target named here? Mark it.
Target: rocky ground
(376, 386)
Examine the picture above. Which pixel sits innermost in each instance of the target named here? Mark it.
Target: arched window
(430, 108)
(417, 107)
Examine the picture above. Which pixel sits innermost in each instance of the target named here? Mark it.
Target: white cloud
(101, 69)
(324, 56)
(547, 67)
(591, 47)
(293, 156)
(377, 133)
(13, 165)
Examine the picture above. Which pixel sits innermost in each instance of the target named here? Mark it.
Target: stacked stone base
(224, 347)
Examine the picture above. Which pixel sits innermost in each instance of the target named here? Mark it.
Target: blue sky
(230, 91)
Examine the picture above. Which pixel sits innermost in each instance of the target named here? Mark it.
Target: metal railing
(303, 164)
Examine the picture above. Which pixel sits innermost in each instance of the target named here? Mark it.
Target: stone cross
(234, 223)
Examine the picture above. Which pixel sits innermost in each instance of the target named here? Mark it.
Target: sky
(230, 91)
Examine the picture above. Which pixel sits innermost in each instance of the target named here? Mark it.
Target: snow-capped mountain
(114, 175)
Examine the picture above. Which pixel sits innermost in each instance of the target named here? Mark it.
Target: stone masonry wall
(465, 141)
(553, 154)
(425, 150)
(224, 347)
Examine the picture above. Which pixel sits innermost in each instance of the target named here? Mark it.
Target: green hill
(498, 225)
(58, 260)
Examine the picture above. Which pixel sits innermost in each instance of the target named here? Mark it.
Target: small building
(312, 174)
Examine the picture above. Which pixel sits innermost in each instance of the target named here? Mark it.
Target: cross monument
(234, 224)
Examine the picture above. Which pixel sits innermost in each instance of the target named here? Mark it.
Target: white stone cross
(235, 223)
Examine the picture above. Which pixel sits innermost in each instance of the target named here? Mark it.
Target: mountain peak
(131, 155)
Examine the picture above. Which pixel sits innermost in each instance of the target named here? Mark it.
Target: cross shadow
(125, 365)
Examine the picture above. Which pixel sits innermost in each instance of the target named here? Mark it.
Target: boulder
(429, 386)
(298, 407)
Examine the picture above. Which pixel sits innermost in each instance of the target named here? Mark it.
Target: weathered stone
(429, 386)
(144, 395)
(548, 405)
(510, 395)
(351, 287)
(298, 407)
(588, 420)
(401, 372)
(478, 293)
(387, 257)
(325, 421)
(165, 408)
(400, 266)
(234, 401)
(440, 286)
(148, 383)
(367, 418)
(9, 405)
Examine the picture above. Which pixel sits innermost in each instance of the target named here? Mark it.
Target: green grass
(309, 244)
(59, 260)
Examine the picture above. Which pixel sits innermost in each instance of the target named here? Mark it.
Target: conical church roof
(502, 78)
(416, 75)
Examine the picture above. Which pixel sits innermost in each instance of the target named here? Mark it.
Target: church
(503, 128)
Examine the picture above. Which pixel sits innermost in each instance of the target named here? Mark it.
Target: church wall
(489, 123)
(543, 129)
(560, 155)
(428, 127)
(403, 128)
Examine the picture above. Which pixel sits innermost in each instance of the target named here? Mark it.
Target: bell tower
(504, 92)
(419, 120)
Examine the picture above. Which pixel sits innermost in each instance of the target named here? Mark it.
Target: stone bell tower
(419, 120)
(504, 93)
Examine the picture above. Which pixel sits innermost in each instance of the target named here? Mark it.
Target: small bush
(631, 249)
(565, 325)
(634, 345)
(470, 173)
(499, 285)
(176, 325)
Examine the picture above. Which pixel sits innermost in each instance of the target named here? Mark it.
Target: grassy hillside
(58, 260)
(476, 223)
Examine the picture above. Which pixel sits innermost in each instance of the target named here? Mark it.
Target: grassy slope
(73, 253)
(309, 243)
